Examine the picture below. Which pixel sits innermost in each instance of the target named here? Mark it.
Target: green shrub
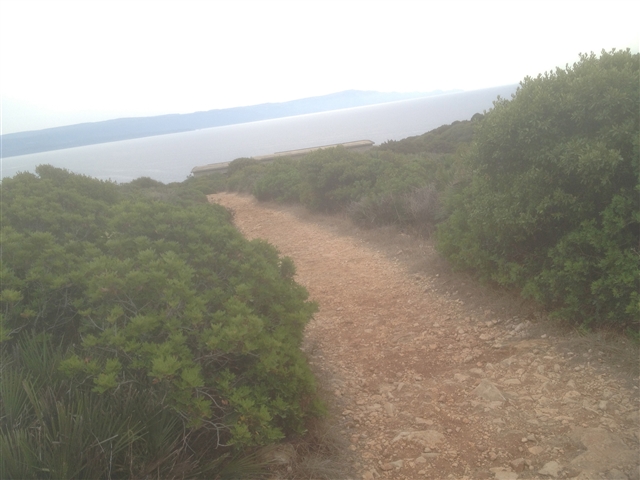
(334, 177)
(445, 139)
(240, 164)
(245, 179)
(50, 429)
(160, 304)
(419, 208)
(423, 207)
(206, 184)
(280, 182)
(377, 188)
(377, 210)
(552, 203)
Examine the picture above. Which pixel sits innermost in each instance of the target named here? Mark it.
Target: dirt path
(427, 387)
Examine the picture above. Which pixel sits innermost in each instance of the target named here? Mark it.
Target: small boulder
(550, 469)
(489, 392)
(518, 464)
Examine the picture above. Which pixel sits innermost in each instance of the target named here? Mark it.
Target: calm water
(170, 158)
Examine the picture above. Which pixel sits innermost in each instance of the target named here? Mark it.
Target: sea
(170, 158)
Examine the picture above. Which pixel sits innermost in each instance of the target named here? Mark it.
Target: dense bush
(281, 182)
(419, 208)
(144, 306)
(552, 204)
(205, 184)
(371, 211)
(243, 177)
(399, 182)
(376, 188)
(444, 139)
(241, 163)
(334, 177)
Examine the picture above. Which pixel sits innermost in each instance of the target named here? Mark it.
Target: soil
(432, 376)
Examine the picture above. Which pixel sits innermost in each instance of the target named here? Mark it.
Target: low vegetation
(382, 186)
(550, 204)
(142, 334)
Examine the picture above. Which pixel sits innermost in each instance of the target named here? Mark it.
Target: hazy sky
(65, 62)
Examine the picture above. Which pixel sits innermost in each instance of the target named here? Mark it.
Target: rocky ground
(430, 380)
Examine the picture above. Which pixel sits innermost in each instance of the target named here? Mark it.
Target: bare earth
(429, 384)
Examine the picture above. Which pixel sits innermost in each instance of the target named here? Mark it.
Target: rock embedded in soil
(430, 437)
(605, 450)
(551, 469)
(518, 464)
(488, 391)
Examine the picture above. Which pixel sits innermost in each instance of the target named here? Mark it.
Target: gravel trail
(425, 386)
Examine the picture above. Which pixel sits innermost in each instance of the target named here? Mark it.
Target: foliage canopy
(149, 304)
(552, 202)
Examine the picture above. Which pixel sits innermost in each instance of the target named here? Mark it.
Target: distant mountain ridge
(23, 143)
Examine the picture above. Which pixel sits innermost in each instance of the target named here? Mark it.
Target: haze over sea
(170, 158)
